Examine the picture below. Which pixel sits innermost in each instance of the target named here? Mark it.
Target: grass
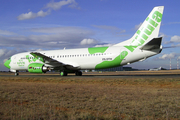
(88, 98)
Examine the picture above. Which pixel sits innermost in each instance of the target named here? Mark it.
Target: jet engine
(37, 68)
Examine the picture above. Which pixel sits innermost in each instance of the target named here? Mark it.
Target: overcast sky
(27, 25)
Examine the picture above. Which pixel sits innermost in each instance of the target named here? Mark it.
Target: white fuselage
(81, 58)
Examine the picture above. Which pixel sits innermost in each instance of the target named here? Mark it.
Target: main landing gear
(65, 73)
(78, 73)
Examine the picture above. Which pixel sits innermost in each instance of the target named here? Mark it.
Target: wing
(55, 63)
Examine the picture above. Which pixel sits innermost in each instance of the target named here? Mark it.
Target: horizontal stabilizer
(155, 43)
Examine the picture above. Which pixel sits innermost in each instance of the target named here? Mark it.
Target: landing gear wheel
(78, 73)
(63, 73)
(16, 73)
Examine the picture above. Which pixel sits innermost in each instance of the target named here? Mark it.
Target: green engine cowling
(37, 68)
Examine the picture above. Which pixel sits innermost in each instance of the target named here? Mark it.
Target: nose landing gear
(16, 73)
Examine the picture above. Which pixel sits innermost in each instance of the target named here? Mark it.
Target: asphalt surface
(123, 74)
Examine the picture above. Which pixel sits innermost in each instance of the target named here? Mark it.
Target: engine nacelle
(37, 68)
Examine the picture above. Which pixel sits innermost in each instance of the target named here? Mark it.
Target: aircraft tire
(78, 73)
(16, 73)
(63, 73)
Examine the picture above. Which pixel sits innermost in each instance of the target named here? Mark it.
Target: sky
(34, 25)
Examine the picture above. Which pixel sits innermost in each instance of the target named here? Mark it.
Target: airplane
(142, 45)
(156, 69)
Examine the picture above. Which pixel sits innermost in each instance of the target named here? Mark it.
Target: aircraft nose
(7, 62)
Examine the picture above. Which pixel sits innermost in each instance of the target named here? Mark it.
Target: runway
(119, 74)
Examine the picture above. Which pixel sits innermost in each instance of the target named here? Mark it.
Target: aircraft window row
(62, 56)
(83, 55)
(28, 58)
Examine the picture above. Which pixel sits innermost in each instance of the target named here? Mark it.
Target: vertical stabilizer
(147, 31)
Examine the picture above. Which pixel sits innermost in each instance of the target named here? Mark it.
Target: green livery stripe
(7, 63)
(97, 50)
(131, 48)
(114, 63)
(35, 68)
(35, 58)
(27, 57)
(144, 32)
